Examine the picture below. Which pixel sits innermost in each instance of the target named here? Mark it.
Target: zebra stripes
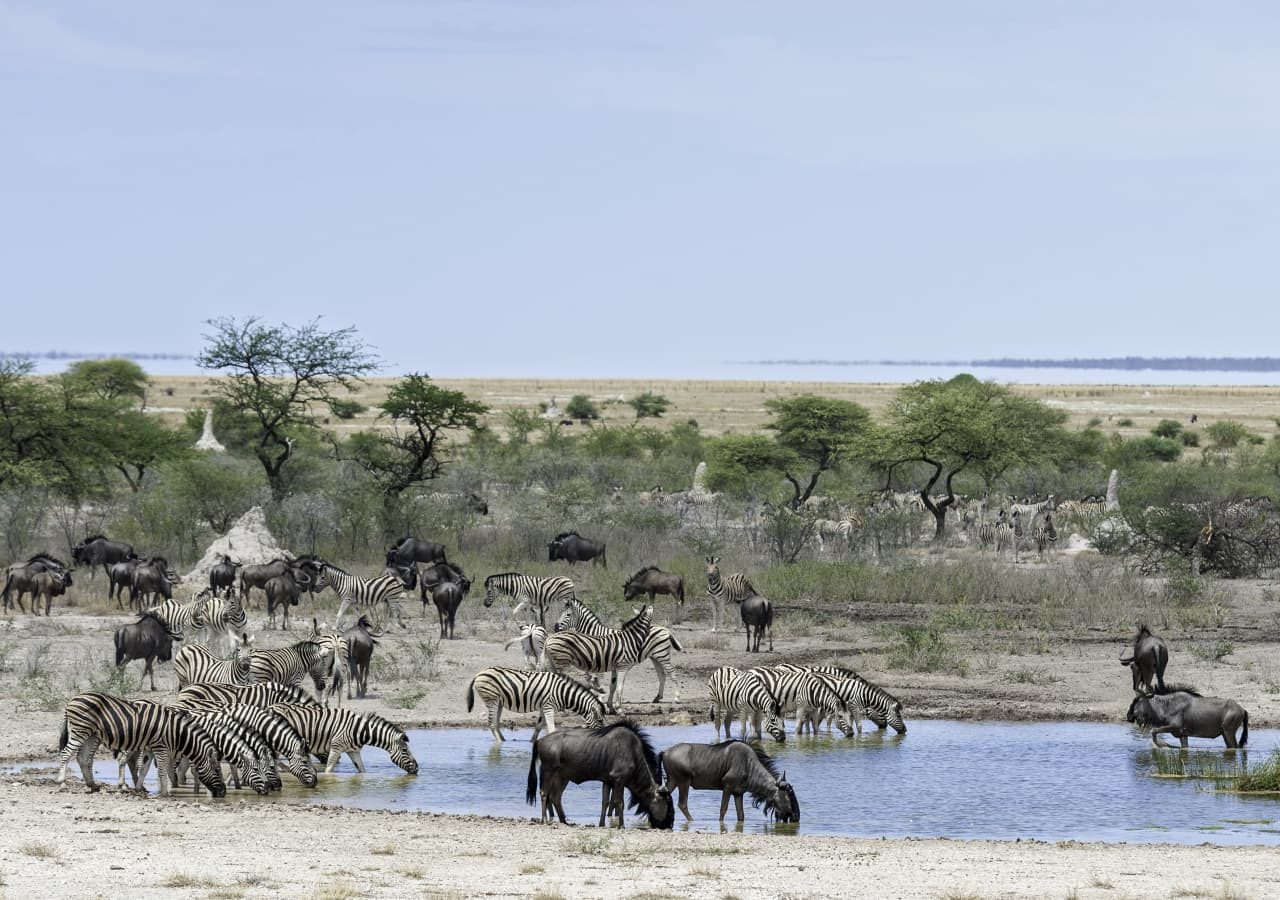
(657, 645)
(862, 698)
(998, 535)
(1045, 534)
(594, 654)
(268, 693)
(248, 755)
(94, 718)
(289, 665)
(798, 686)
(733, 588)
(531, 639)
(280, 736)
(224, 618)
(195, 663)
(177, 616)
(366, 594)
(735, 693)
(329, 733)
(521, 690)
(531, 592)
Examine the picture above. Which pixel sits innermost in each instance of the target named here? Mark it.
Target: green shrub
(1190, 438)
(346, 409)
(925, 650)
(649, 405)
(580, 407)
(1125, 423)
(1227, 433)
(1167, 428)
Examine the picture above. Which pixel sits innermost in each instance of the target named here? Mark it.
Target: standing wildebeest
(435, 575)
(573, 548)
(96, 550)
(120, 579)
(618, 755)
(149, 638)
(651, 580)
(1148, 660)
(409, 550)
(222, 577)
(151, 579)
(284, 590)
(360, 644)
(48, 585)
(733, 768)
(757, 614)
(1185, 714)
(257, 576)
(447, 597)
(22, 578)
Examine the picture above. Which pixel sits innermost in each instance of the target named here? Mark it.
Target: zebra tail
(675, 645)
(63, 738)
(471, 697)
(531, 789)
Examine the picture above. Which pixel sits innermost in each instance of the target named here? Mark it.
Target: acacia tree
(422, 415)
(819, 432)
(960, 425)
(278, 374)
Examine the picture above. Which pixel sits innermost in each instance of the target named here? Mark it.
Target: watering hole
(1049, 781)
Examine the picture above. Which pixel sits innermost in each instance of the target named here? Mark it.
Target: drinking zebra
(530, 592)
(329, 733)
(734, 694)
(93, 718)
(204, 696)
(281, 737)
(862, 698)
(244, 750)
(732, 588)
(523, 691)
(366, 594)
(195, 663)
(797, 686)
(289, 665)
(596, 654)
(657, 646)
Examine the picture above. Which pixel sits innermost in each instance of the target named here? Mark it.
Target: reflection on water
(1049, 781)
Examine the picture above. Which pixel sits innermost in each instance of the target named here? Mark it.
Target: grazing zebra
(205, 696)
(289, 665)
(598, 653)
(797, 686)
(281, 737)
(364, 593)
(94, 718)
(195, 663)
(657, 646)
(531, 592)
(862, 698)
(734, 694)
(734, 588)
(329, 733)
(225, 622)
(1045, 534)
(523, 691)
(531, 639)
(178, 615)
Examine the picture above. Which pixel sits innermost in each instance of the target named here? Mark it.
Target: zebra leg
(354, 756)
(495, 721)
(662, 677)
(335, 756)
(549, 716)
(164, 770)
(613, 686)
(85, 758)
(342, 608)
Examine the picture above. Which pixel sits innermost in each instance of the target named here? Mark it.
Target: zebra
(863, 699)
(333, 732)
(531, 639)
(267, 693)
(177, 615)
(338, 670)
(364, 593)
(523, 691)
(195, 663)
(281, 737)
(657, 645)
(531, 592)
(998, 534)
(734, 588)
(1086, 513)
(618, 650)
(225, 621)
(1028, 510)
(1045, 534)
(796, 685)
(737, 693)
(94, 718)
(289, 665)
(246, 753)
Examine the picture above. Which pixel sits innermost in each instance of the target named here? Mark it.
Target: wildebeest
(757, 614)
(409, 550)
(284, 590)
(733, 768)
(1148, 660)
(148, 638)
(222, 577)
(152, 578)
(96, 550)
(477, 504)
(360, 644)
(435, 575)
(573, 548)
(20, 578)
(1185, 714)
(257, 575)
(618, 755)
(651, 580)
(48, 585)
(448, 597)
(120, 579)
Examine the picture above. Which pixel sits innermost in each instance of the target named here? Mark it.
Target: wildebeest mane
(565, 534)
(48, 558)
(95, 537)
(646, 744)
(1172, 688)
(642, 572)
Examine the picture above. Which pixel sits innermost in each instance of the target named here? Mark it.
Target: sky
(644, 189)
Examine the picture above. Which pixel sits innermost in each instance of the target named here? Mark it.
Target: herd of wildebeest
(246, 709)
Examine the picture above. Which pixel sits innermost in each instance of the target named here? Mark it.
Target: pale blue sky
(648, 189)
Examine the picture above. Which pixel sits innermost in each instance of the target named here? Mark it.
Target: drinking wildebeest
(222, 577)
(20, 578)
(651, 580)
(733, 768)
(1185, 714)
(1147, 662)
(97, 550)
(448, 597)
(360, 644)
(409, 550)
(151, 579)
(120, 579)
(573, 548)
(618, 755)
(149, 639)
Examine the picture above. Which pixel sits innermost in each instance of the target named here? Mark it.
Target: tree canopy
(820, 432)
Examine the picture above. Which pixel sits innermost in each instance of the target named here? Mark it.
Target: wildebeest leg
(724, 803)
(151, 670)
(684, 802)
(737, 800)
(1162, 729)
(606, 793)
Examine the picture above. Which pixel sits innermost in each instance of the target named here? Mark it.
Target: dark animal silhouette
(257, 575)
(447, 597)
(651, 580)
(360, 644)
(148, 638)
(733, 768)
(152, 578)
(96, 550)
(1148, 660)
(284, 591)
(757, 615)
(120, 579)
(409, 550)
(21, 578)
(574, 548)
(620, 756)
(477, 504)
(48, 585)
(1185, 714)
(222, 577)
(433, 576)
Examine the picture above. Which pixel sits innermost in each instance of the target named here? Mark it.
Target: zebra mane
(642, 572)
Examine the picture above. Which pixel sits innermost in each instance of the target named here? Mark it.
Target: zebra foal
(521, 690)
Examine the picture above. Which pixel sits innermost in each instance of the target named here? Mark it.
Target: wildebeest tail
(119, 649)
(8, 580)
(63, 737)
(531, 789)
(471, 696)
(1244, 733)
